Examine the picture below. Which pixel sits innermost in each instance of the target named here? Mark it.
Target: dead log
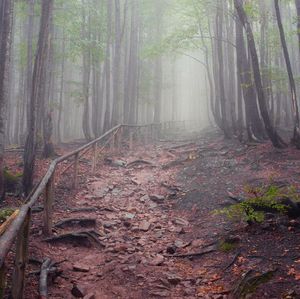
(81, 238)
(83, 222)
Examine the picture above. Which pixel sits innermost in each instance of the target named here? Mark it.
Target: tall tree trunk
(107, 115)
(6, 14)
(37, 93)
(223, 101)
(296, 137)
(86, 73)
(272, 133)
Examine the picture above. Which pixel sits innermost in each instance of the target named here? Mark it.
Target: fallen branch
(192, 254)
(83, 222)
(84, 209)
(232, 261)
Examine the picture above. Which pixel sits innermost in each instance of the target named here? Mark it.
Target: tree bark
(37, 93)
(6, 14)
(272, 133)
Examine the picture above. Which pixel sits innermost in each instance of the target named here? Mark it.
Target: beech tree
(37, 93)
(6, 14)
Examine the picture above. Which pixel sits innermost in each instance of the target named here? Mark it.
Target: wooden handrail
(19, 228)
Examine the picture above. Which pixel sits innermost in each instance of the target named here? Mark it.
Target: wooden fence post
(2, 280)
(119, 138)
(130, 140)
(147, 133)
(112, 143)
(48, 206)
(76, 164)
(18, 281)
(94, 162)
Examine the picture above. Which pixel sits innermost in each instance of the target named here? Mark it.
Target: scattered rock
(109, 224)
(152, 205)
(160, 293)
(145, 198)
(118, 163)
(173, 279)
(157, 198)
(128, 216)
(180, 221)
(171, 249)
(81, 268)
(78, 291)
(158, 260)
(145, 226)
(90, 296)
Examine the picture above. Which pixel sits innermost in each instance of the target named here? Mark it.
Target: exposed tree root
(140, 161)
(250, 281)
(80, 238)
(83, 222)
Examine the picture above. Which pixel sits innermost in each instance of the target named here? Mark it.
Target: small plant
(227, 246)
(266, 199)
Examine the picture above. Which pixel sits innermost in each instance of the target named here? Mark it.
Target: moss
(251, 284)
(227, 246)
(4, 214)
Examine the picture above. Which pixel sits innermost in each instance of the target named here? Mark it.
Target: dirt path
(157, 235)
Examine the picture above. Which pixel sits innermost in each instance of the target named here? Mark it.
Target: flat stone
(160, 293)
(144, 226)
(173, 279)
(90, 296)
(81, 268)
(180, 221)
(128, 216)
(145, 198)
(158, 260)
(78, 291)
(109, 224)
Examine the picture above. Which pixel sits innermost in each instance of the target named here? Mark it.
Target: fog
(75, 69)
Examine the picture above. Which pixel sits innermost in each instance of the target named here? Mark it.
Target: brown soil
(148, 215)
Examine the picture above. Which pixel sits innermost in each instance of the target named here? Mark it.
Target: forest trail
(153, 232)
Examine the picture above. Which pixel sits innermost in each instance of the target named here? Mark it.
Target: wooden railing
(18, 231)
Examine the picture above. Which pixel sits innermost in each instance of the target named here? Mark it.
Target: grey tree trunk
(6, 14)
(272, 133)
(37, 93)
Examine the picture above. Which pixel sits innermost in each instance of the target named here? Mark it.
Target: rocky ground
(146, 225)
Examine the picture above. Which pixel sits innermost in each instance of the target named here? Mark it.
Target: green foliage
(227, 246)
(261, 200)
(4, 214)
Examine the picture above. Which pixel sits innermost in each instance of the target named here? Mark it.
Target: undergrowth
(261, 200)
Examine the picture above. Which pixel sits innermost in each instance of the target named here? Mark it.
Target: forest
(149, 149)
